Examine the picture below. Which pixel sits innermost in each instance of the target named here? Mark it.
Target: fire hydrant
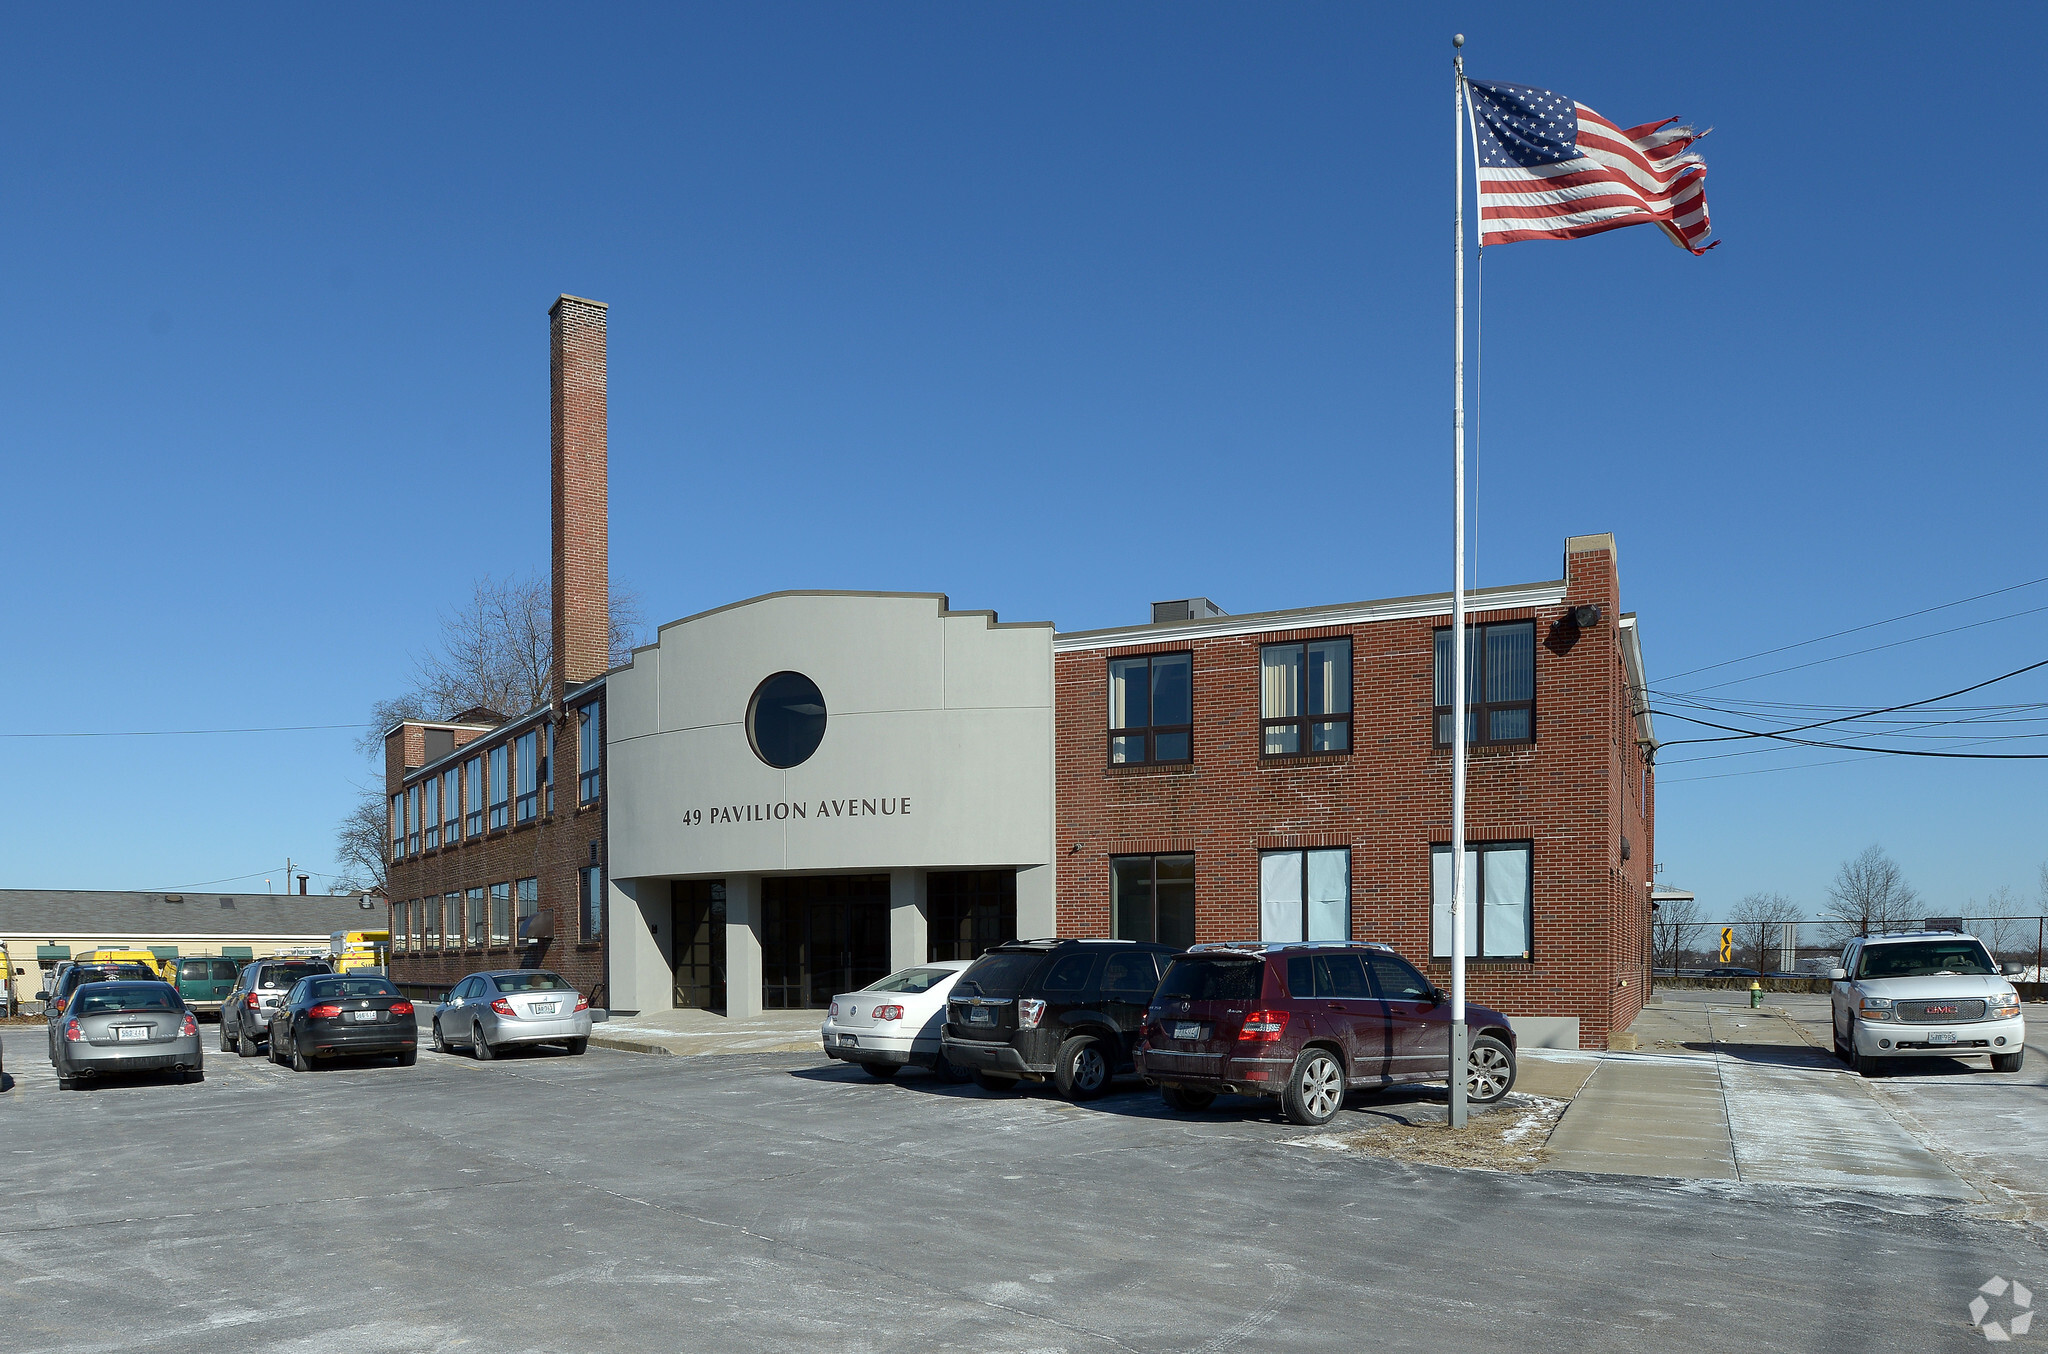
(1756, 994)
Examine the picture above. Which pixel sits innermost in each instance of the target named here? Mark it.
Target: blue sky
(1058, 309)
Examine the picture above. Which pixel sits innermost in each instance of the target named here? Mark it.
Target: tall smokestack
(581, 600)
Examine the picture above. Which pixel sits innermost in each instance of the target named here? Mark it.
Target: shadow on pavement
(1780, 1055)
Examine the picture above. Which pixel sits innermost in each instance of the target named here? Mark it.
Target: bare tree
(1871, 894)
(1759, 917)
(1675, 931)
(2000, 925)
(495, 651)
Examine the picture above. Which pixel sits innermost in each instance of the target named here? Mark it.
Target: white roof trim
(1638, 685)
(1353, 613)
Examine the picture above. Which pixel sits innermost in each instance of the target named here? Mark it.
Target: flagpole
(1458, 1031)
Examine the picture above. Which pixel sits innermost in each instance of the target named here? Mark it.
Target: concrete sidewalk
(701, 1033)
(1734, 1093)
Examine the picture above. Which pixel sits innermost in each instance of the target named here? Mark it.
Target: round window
(786, 719)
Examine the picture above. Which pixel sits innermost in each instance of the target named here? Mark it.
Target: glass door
(697, 935)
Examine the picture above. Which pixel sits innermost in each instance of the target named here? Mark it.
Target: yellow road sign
(1727, 943)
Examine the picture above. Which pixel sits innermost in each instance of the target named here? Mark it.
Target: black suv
(1066, 1009)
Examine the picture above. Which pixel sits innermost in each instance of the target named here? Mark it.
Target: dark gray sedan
(117, 1027)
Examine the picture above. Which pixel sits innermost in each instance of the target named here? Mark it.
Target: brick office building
(1287, 776)
(498, 823)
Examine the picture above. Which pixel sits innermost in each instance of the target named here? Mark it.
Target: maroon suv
(1308, 1022)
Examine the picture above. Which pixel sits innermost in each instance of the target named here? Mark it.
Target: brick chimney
(581, 598)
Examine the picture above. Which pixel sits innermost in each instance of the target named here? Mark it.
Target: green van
(203, 981)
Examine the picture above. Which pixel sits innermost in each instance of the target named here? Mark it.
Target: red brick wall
(551, 849)
(581, 611)
(1388, 801)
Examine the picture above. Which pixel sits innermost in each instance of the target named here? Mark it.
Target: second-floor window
(1305, 697)
(451, 805)
(412, 820)
(500, 809)
(1151, 708)
(397, 826)
(431, 797)
(473, 796)
(1500, 683)
(589, 744)
(526, 760)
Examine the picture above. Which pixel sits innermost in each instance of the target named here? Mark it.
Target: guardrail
(2028, 991)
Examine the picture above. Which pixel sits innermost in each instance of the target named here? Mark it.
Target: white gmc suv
(1925, 994)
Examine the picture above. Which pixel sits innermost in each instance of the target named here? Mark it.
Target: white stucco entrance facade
(799, 784)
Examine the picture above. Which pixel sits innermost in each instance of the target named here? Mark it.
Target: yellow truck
(356, 951)
(165, 968)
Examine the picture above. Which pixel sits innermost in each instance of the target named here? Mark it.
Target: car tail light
(254, 1004)
(1263, 1027)
(58, 1007)
(191, 1025)
(887, 1013)
(326, 1010)
(1030, 1011)
(503, 1007)
(833, 1010)
(582, 1003)
(401, 1008)
(72, 1032)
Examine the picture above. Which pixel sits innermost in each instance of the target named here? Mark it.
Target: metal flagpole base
(1458, 1059)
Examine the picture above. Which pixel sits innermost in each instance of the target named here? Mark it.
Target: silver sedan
(489, 1011)
(118, 1027)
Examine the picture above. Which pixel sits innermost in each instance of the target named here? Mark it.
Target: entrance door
(697, 937)
(822, 935)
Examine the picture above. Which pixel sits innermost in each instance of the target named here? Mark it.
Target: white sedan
(896, 1022)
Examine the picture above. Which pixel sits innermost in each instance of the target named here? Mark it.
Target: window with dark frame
(529, 903)
(500, 805)
(589, 746)
(1305, 698)
(473, 796)
(1500, 683)
(1305, 895)
(412, 820)
(451, 805)
(1152, 898)
(1151, 708)
(526, 763)
(501, 915)
(431, 802)
(476, 909)
(398, 826)
(590, 902)
(1499, 882)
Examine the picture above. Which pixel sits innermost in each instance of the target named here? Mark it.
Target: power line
(1841, 719)
(1766, 653)
(1875, 648)
(181, 733)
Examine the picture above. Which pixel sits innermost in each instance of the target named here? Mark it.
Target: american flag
(1551, 168)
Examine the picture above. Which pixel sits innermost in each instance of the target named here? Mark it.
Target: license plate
(133, 1032)
(980, 1015)
(1942, 1037)
(545, 1007)
(362, 1015)
(1187, 1029)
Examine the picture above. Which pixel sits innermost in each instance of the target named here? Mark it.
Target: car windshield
(912, 980)
(1924, 959)
(104, 997)
(1000, 973)
(284, 975)
(322, 989)
(531, 982)
(1212, 980)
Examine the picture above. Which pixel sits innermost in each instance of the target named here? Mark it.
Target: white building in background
(809, 789)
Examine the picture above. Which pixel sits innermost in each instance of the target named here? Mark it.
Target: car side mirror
(2012, 970)
(1437, 996)
(42, 996)
(1836, 975)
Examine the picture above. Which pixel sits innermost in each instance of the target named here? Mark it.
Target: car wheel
(408, 1057)
(1186, 1101)
(995, 1085)
(300, 1062)
(947, 1070)
(224, 1045)
(1315, 1088)
(67, 1083)
(275, 1052)
(1080, 1071)
(881, 1071)
(2009, 1062)
(440, 1040)
(576, 1046)
(479, 1046)
(1866, 1065)
(245, 1046)
(1489, 1070)
(192, 1075)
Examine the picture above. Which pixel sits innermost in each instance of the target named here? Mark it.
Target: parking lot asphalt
(780, 1202)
